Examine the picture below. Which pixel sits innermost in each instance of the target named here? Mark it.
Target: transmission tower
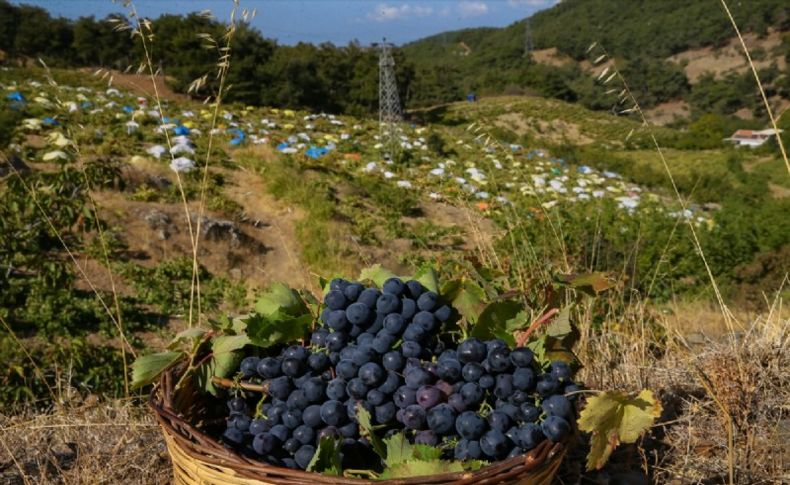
(389, 102)
(527, 38)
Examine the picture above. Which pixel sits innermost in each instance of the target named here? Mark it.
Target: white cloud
(532, 3)
(385, 12)
(472, 9)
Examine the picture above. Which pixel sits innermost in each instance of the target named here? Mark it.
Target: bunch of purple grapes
(385, 351)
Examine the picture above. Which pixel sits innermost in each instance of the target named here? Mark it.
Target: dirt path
(276, 221)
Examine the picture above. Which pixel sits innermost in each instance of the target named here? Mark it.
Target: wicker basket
(200, 459)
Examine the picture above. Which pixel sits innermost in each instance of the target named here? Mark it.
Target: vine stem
(521, 337)
(230, 384)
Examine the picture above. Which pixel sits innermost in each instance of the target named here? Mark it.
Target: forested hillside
(641, 35)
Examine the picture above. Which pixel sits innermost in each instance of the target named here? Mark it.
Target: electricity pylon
(527, 38)
(389, 101)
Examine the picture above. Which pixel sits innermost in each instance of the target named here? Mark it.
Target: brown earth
(551, 57)
(721, 61)
(555, 131)
(668, 112)
(141, 85)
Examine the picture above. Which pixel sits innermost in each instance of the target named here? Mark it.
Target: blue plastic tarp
(16, 96)
(316, 152)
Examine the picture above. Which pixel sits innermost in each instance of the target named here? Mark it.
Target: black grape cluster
(385, 351)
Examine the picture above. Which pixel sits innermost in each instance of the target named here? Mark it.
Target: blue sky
(338, 21)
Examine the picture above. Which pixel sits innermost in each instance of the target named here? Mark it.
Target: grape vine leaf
(225, 360)
(278, 328)
(221, 364)
(280, 298)
(614, 417)
(428, 277)
(366, 431)
(147, 368)
(496, 321)
(376, 274)
(560, 327)
(326, 459)
(467, 297)
(398, 449)
(191, 335)
(419, 468)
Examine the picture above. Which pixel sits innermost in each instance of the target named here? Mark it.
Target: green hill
(642, 35)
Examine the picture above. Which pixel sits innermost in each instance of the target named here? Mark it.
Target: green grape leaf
(466, 297)
(224, 362)
(425, 452)
(278, 328)
(376, 274)
(428, 277)
(280, 298)
(146, 369)
(192, 335)
(327, 458)
(560, 326)
(494, 321)
(228, 343)
(614, 417)
(398, 449)
(474, 465)
(366, 431)
(419, 468)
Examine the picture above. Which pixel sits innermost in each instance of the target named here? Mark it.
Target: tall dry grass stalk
(223, 66)
(143, 29)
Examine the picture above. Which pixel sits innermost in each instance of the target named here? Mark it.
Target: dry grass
(695, 384)
(88, 442)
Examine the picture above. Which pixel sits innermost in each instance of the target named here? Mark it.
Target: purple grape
(522, 357)
(555, 428)
(427, 438)
(414, 417)
(471, 350)
(393, 286)
(428, 396)
(558, 405)
(427, 301)
(404, 397)
(494, 444)
(393, 361)
(470, 426)
(441, 418)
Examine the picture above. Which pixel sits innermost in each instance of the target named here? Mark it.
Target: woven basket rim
(203, 448)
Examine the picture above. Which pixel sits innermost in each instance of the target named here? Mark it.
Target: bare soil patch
(551, 57)
(140, 84)
(668, 112)
(555, 131)
(730, 58)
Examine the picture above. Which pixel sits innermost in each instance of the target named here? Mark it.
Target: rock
(159, 222)
(14, 164)
(220, 230)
